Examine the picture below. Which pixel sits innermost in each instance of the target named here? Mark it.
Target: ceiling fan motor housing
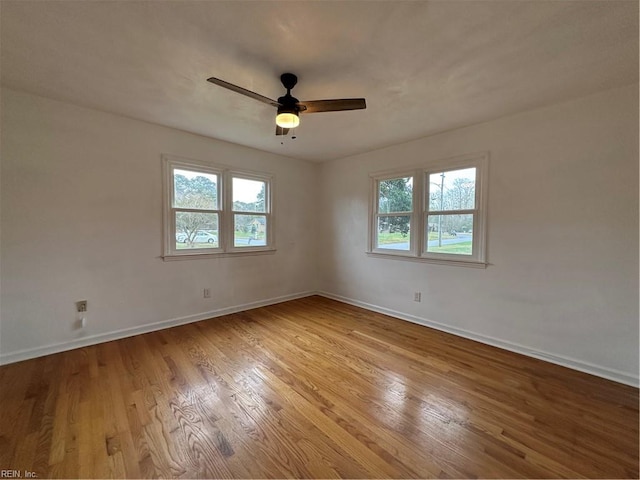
(288, 104)
(289, 80)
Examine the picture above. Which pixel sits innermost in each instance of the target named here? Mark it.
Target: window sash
(375, 244)
(255, 237)
(230, 217)
(443, 171)
(474, 212)
(192, 168)
(399, 244)
(453, 256)
(256, 178)
(395, 212)
(174, 232)
(194, 210)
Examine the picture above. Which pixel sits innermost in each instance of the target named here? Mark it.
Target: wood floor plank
(326, 400)
(311, 388)
(397, 418)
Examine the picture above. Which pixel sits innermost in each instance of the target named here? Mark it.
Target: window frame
(225, 210)
(418, 247)
(267, 179)
(375, 215)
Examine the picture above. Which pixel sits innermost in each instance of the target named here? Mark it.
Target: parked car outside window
(201, 237)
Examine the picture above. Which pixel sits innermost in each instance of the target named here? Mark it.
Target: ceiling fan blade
(315, 106)
(281, 131)
(243, 91)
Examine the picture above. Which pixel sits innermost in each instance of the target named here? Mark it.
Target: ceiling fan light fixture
(287, 118)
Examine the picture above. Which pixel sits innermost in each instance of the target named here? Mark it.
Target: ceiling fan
(290, 107)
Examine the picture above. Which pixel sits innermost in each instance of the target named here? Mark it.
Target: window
(212, 210)
(436, 213)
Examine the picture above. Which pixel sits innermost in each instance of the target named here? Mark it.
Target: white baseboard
(609, 374)
(29, 353)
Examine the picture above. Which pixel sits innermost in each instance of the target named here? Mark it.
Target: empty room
(311, 239)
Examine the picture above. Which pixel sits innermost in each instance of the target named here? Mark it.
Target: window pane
(394, 232)
(195, 190)
(196, 230)
(250, 230)
(452, 190)
(248, 195)
(451, 234)
(395, 195)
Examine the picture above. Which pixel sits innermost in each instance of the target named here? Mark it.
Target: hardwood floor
(310, 389)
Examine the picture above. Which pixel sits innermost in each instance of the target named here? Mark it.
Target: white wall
(82, 219)
(562, 237)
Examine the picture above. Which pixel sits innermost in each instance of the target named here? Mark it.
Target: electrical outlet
(206, 293)
(417, 297)
(81, 306)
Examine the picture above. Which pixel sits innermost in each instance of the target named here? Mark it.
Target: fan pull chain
(292, 131)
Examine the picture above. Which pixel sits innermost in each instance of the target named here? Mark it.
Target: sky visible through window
(450, 176)
(243, 191)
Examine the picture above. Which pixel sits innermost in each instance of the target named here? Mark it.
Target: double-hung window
(211, 210)
(434, 213)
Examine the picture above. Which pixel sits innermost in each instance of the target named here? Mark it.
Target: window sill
(235, 253)
(438, 261)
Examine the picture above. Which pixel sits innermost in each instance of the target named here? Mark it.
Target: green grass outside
(462, 248)
(186, 246)
(434, 235)
(397, 237)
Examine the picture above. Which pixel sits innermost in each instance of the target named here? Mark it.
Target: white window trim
(225, 212)
(373, 223)
(268, 201)
(417, 252)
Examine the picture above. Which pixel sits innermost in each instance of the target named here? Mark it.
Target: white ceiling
(423, 66)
